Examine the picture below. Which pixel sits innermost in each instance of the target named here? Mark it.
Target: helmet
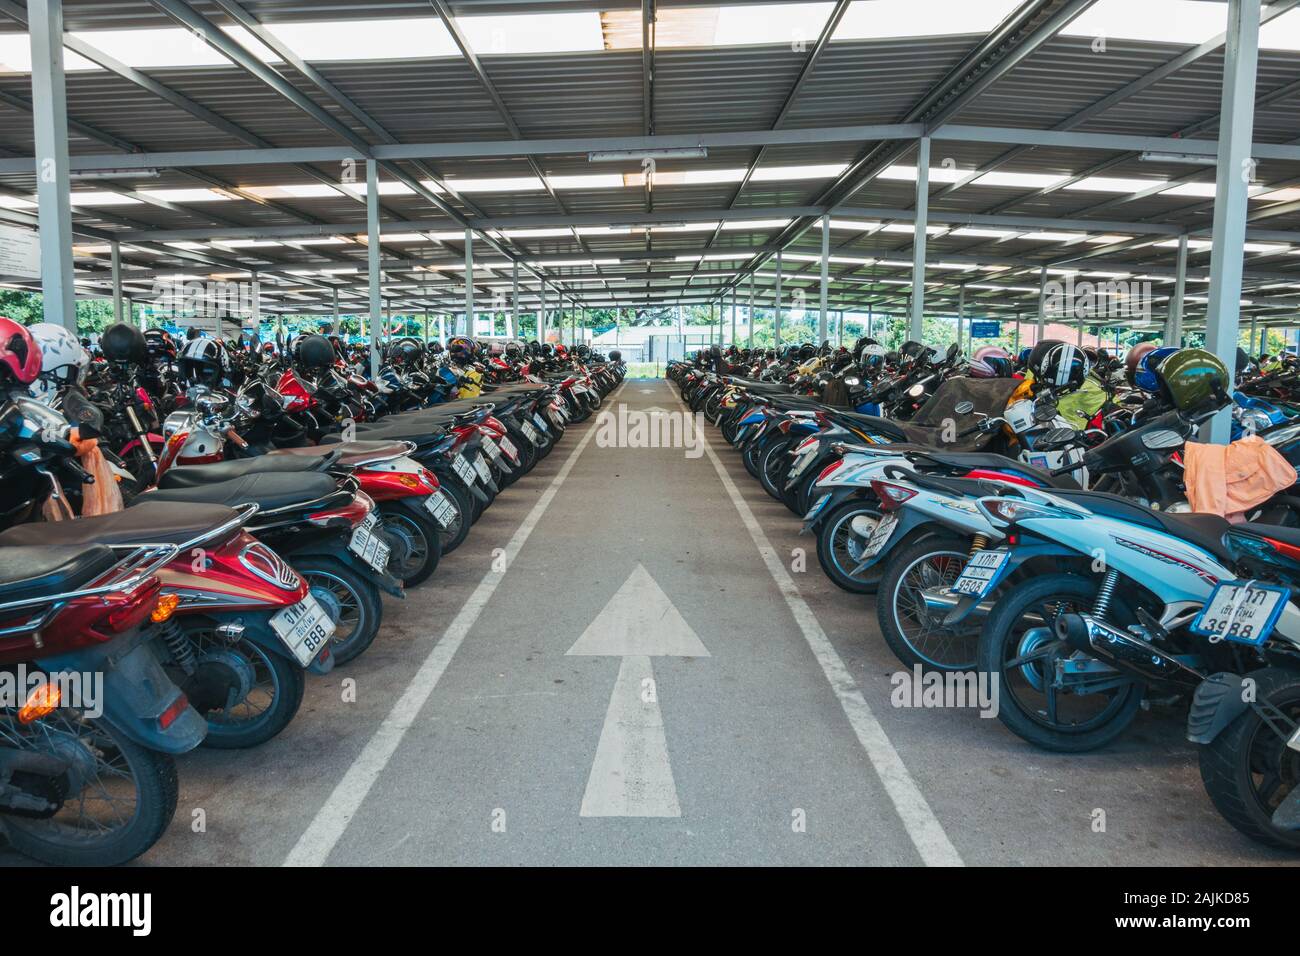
(313, 351)
(1135, 355)
(1146, 377)
(1194, 380)
(807, 351)
(872, 356)
(204, 361)
(63, 360)
(1023, 358)
(20, 356)
(1063, 365)
(159, 342)
(616, 356)
(912, 349)
(462, 348)
(124, 343)
(990, 362)
(404, 352)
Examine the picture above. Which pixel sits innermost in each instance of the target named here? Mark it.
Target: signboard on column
(20, 252)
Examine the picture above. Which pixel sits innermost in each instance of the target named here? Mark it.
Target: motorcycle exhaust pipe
(1083, 632)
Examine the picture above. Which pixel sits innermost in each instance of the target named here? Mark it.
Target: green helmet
(1195, 380)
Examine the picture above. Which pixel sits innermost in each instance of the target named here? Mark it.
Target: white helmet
(63, 360)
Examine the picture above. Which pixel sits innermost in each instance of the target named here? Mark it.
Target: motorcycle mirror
(952, 352)
(964, 408)
(84, 414)
(916, 391)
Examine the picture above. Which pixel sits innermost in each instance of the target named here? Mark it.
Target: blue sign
(985, 329)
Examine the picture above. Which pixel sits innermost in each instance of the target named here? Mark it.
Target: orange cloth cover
(1229, 480)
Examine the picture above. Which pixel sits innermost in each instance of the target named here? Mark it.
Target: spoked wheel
(1050, 694)
(840, 547)
(114, 800)
(915, 635)
(266, 690)
(1248, 770)
(351, 600)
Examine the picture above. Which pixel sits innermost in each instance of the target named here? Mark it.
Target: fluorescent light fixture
(637, 155)
(115, 174)
(185, 195)
(1186, 159)
(1112, 184)
(938, 174)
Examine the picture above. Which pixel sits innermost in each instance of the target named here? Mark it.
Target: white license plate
(463, 468)
(441, 507)
(982, 571)
(1240, 611)
(541, 422)
(304, 627)
(529, 431)
(481, 466)
(491, 448)
(369, 547)
(879, 535)
(509, 447)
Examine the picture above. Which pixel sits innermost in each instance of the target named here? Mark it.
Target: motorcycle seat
(990, 461)
(161, 522)
(270, 491)
(871, 423)
(350, 453)
(191, 476)
(421, 433)
(33, 572)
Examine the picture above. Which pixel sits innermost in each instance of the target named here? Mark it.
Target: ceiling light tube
(624, 155)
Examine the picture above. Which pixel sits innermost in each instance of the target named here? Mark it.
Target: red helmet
(19, 352)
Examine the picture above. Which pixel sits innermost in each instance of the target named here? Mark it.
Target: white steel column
(372, 254)
(117, 280)
(1237, 118)
(776, 320)
(541, 317)
(916, 327)
(53, 185)
(961, 311)
(469, 284)
(823, 332)
(751, 310)
(1042, 304)
(1175, 329)
(513, 331)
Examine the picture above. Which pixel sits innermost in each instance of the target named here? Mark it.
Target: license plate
(1240, 611)
(879, 535)
(369, 547)
(541, 422)
(491, 448)
(509, 447)
(441, 507)
(481, 466)
(982, 571)
(529, 431)
(817, 507)
(463, 468)
(305, 628)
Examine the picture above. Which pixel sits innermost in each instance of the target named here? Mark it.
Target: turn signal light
(165, 608)
(40, 703)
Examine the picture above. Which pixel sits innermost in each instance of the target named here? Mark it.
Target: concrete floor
(483, 757)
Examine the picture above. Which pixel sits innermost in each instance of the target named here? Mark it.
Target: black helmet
(204, 361)
(616, 356)
(912, 349)
(124, 343)
(313, 351)
(807, 351)
(405, 352)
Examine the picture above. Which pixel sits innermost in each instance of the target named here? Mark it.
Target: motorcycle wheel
(839, 548)
(1018, 649)
(1248, 769)
(270, 705)
(774, 465)
(750, 457)
(422, 537)
(910, 634)
(124, 804)
(458, 530)
(356, 599)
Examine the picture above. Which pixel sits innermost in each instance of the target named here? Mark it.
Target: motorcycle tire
(154, 777)
(1000, 645)
(936, 648)
(1248, 749)
(774, 464)
(289, 680)
(422, 536)
(357, 596)
(834, 550)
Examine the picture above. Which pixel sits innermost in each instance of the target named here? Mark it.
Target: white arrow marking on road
(631, 775)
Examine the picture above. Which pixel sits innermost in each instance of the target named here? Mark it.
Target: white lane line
(332, 819)
(923, 828)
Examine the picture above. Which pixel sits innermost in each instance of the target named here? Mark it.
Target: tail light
(829, 470)
(1002, 476)
(891, 496)
(133, 609)
(351, 514)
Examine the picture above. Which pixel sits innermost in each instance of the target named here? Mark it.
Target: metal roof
(1029, 78)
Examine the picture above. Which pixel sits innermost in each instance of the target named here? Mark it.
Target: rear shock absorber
(182, 651)
(1104, 596)
(978, 543)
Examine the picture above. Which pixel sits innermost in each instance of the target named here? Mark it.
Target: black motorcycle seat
(270, 491)
(422, 433)
(34, 572)
(990, 461)
(871, 423)
(158, 522)
(191, 476)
